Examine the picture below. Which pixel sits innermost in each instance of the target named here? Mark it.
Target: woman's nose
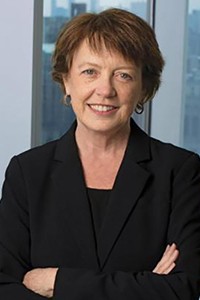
(105, 88)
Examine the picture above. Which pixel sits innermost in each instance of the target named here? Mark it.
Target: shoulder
(157, 153)
(41, 159)
(162, 148)
(159, 147)
(37, 159)
(173, 157)
(38, 154)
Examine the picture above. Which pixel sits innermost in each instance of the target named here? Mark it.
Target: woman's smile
(100, 109)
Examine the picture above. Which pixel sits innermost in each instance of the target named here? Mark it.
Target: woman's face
(104, 88)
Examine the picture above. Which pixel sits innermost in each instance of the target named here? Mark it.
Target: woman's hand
(167, 262)
(41, 281)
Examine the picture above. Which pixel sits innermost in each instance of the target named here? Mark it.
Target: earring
(67, 100)
(139, 108)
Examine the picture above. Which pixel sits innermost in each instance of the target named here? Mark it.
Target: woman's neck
(98, 143)
(101, 154)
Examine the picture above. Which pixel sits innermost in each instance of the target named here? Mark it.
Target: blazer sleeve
(14, 237)
(182, 283)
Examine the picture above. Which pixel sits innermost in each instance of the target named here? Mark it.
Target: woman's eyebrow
(87, 63)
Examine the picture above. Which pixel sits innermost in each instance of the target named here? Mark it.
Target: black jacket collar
(71, 193)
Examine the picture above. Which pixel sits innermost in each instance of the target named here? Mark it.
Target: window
(175, 114)
(191, 115)
(54, 118)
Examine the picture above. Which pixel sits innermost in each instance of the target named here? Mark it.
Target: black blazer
(45, 221)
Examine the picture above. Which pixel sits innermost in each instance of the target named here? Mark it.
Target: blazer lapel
(72, 195)
(129, 184)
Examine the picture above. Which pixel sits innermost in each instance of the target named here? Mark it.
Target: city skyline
(103, 3)
(193, 4)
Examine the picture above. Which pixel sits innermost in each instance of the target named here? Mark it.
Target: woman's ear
(65, 83)
(66, 98)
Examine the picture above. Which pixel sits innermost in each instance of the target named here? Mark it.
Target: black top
(98, 202)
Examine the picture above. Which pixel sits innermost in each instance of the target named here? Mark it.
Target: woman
(90, 215)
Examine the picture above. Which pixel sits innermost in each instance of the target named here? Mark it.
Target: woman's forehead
(101, 49)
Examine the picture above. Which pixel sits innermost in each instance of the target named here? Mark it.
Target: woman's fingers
(41, 281)
(167, 262)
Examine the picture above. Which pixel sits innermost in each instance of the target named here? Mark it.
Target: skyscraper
(57, 10)
(78, 8)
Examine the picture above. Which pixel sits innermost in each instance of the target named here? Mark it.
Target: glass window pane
(191, 119)
(56, 118)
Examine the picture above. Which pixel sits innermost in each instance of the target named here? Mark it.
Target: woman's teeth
(102, 107)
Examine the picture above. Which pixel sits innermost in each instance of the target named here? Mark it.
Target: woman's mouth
(102, 108)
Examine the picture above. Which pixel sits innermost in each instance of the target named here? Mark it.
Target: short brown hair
(118, 30)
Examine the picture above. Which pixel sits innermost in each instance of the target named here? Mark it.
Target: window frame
(167, 107)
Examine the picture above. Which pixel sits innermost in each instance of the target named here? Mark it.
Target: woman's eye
(125, 76)
(89, 72)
